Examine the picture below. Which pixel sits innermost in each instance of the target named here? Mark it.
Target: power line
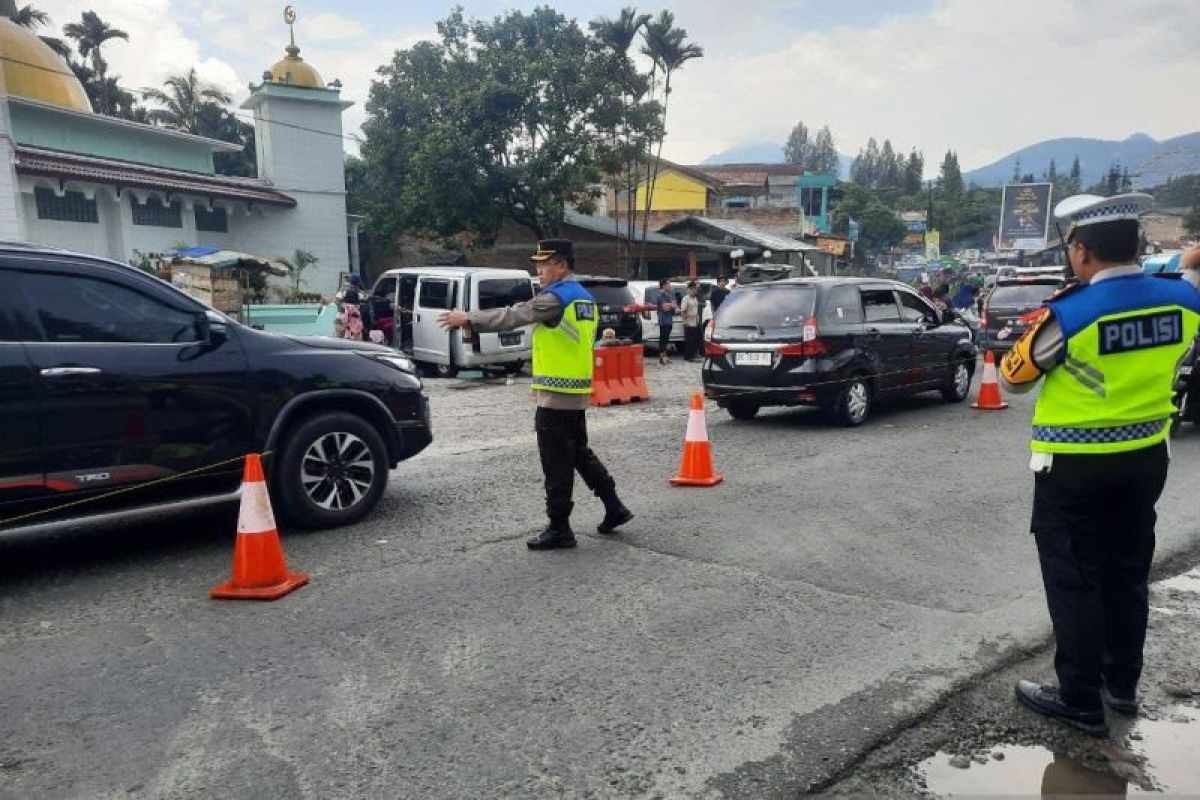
(348, 136)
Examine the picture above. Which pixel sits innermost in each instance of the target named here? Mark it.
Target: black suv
(1008, 307)
(837, 343)
(618, 306)
(113, 379)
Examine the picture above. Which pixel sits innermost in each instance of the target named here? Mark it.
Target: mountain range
(1150, 162)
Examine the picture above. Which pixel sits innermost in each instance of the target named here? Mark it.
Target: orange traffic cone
(696, 468)
(259, 570)
(989, 388)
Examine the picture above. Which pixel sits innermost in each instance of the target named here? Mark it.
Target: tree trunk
(652, 178)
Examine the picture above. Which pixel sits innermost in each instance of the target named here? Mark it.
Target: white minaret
(298, 133)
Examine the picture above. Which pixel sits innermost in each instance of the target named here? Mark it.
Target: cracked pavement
(749, 640)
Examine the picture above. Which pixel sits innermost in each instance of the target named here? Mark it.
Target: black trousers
(693, 341)
(664, 339)
(1093, 520)
(563, 446)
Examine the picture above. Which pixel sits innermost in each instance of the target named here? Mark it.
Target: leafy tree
(505, 117)
(29, 17)
(879, 225)
(186, 103)
(89, 34)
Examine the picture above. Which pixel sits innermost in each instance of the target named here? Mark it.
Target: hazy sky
(979, 76)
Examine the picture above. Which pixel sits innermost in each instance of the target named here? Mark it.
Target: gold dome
(30, 69)
(295, 71)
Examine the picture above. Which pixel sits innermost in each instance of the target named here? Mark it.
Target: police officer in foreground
(1107, 348)
(565, 318)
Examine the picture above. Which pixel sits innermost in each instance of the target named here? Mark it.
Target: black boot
(557, 535)
(615, 515)
(1047, 701)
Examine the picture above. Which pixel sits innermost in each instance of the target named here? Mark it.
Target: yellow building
(679, 189)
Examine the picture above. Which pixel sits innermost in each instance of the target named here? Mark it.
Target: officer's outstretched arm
(1036, 352)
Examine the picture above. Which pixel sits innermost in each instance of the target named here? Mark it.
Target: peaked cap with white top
(1090, 209)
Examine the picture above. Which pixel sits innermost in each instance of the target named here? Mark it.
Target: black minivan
(618, 307)
(837, 343)
(120, 394)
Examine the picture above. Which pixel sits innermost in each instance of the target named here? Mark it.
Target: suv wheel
(853, 403)
(332, 471)
(958, 384)
(742, 409)
(445, 370)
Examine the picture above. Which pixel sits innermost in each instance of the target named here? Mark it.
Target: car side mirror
(213, 328)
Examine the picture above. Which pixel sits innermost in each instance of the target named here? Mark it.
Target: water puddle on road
(1187, 582)
(1164, 759)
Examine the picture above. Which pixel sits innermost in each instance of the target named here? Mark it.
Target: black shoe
(555, 537)
(1121, 703)
(614, 518)
(1045, 700)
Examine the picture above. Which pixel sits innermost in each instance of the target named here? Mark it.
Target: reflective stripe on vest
(1124, 433)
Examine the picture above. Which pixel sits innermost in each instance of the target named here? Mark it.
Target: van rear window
(776, 307)
(1029, 295)
(501, 293)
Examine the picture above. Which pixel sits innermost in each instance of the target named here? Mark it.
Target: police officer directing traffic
(1107, 349)
(565, 318)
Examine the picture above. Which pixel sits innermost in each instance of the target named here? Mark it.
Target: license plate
(752, 359)
(510, 339)
(608, 318)
(1185, 370)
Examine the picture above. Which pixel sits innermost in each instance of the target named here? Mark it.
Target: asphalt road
(747, 640)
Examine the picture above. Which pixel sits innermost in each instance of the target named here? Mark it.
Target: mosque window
(70, 207)
(212, 221)
(157, 214)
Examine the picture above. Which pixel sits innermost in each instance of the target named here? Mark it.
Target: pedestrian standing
(1107, 348)
(352, 323)
(665, 303)
(565, 317)
(718, 294)
(689, 310)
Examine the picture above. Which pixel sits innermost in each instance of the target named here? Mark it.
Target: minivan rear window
(607, 294)
(504, 292)
(776, 307)
(1029, 295)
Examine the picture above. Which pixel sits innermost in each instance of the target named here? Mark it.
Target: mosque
(110, 187)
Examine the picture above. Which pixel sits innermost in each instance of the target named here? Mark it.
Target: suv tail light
(811, 344)
(713, 350)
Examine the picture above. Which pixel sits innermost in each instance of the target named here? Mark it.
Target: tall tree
(626, 127)
(950, 180)
(823, 155)
(1075, 180)
(89, 34)
(796, 150)
(187, 103)
(914, 173)
(29, 17)
(1016, 176)
(668, 48)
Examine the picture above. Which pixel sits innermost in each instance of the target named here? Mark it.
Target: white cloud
(329, 27)
(971, 76)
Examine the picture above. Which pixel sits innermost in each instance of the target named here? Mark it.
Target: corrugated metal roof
(36, 161)
(743, 230)
(615, 227)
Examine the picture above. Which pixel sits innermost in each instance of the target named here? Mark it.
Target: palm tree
(669, 50)
(27, 17)
(299, 261)
(91, 32)
(185, 103)
(617, 36)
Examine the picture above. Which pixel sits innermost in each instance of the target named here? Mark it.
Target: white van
(646, 293)
(419, 295)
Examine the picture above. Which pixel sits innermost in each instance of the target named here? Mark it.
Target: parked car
(1007, 309)
(1187, 389)
(618, 306)
(421, 294)
(110, 378)
(836, 343)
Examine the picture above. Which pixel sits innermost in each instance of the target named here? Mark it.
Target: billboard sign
(933, 245)
(1025, 216)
